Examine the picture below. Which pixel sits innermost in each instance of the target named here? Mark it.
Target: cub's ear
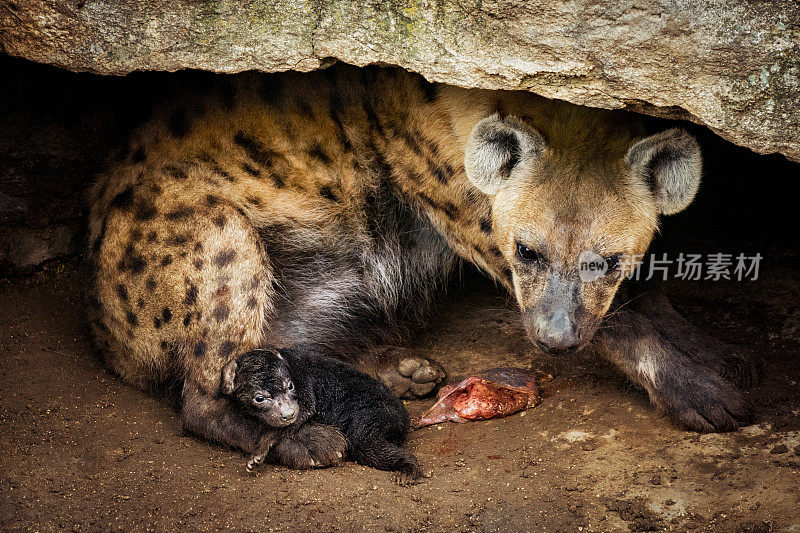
(671, 164)
(228, 375)
(495, 147)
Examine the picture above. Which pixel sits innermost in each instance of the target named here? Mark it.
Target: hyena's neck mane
(420, 140)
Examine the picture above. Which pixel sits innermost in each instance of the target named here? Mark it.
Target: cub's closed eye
(527, 254)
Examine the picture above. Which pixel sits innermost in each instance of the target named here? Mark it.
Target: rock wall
(57, 128)
(731, 65)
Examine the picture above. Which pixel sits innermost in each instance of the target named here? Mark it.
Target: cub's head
(261, 384)
(572, 217)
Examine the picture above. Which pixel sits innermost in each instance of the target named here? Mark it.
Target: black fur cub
(288, 387)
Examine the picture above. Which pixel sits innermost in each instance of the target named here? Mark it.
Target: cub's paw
(407, 470)
(406, 479)
(409, 376)
(254, 461)
(701, 400)
(312, 445)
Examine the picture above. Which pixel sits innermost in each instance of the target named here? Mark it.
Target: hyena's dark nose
(556, 331)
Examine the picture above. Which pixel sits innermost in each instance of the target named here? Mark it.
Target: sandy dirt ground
(80, 450)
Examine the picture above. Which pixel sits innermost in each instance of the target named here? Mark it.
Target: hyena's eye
(526, 254)
(260, 398)
(612, 263)
(290, 386)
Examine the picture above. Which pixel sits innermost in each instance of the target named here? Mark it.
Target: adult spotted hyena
(327, 207)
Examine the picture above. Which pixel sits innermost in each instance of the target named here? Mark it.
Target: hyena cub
(286, 388)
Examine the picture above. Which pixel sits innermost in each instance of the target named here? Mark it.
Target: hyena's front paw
(409, 376)
(733, 363)
(701, 400)
(312, 445)
(738, 367)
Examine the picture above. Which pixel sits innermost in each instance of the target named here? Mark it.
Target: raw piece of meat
(490, 394)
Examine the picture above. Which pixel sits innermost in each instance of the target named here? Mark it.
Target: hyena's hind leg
(231, 289)
(218, 420)
(181, 286)
(184, 285)
(214, 277)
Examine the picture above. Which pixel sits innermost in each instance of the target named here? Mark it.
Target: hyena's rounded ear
(495, 147)
(228, 375)
(671, 164)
